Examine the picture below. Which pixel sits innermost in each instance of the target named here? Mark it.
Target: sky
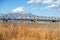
(36, 7)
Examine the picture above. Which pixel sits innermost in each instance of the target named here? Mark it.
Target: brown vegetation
(29, 31)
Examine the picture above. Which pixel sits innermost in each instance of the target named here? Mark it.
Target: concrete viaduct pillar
(33, 21)
(5, 20)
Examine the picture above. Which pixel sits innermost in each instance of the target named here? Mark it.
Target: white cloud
(52, 6)
(55, 5)
(47, 1)
(34, 1)
(18, 9)
(43, 1)
(58, 2)
(40, 1)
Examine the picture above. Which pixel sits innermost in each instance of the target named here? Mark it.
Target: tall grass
(29, 31)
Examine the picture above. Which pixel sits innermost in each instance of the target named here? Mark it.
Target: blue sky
(37, 7)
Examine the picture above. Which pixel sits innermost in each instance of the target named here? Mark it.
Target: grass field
(29, 31)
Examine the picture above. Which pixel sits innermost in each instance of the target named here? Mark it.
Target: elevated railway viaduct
(33, 19)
